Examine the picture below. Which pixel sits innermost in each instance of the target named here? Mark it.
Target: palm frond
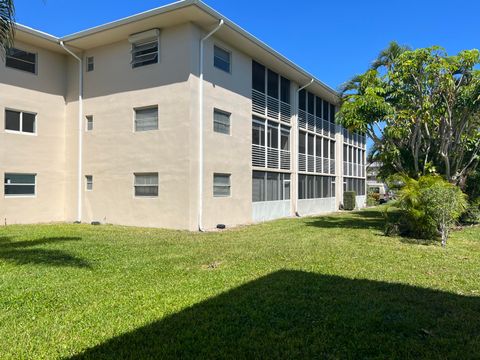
(7, 25)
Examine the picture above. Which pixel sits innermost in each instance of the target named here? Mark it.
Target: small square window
(90, 63)
(146, 184)
(221, 122)
(89, 122)
(221, 59)
(146, 119)
(89, 182)
(221, 185)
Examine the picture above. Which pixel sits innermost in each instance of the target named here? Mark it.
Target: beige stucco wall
(113, 152)
(43, 153)
(229, 154)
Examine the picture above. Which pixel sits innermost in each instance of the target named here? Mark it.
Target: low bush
(349, 200)
(373, 198)
(431, 205)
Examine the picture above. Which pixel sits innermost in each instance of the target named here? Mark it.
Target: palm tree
(7, 22)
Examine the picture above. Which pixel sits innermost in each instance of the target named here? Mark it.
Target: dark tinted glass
(258, 77)
(272, 84)
(285, 90)
(12, 120)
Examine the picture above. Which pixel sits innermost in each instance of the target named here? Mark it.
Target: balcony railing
(316, 164)
(271, 158)
(353, 169)
(270, 107)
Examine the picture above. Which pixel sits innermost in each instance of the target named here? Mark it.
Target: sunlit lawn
(325, 287)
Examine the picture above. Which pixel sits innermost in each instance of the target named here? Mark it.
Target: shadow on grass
(364, 219)
(294, 314)
(25, 252)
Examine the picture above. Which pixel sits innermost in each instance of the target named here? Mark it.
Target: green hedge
(349, 202)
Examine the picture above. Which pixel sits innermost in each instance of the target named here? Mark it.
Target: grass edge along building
(176, 118)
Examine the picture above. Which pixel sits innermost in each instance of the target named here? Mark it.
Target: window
(258, 131)
(301, 142)
(325, 149)
(332, 149)
(285, 90)
(90, 63)
(221, 185)
(272, 82)
(285, 138)
(332, 113)
(318, 146)
(311, 103)
(302, 100)
(20, 184)
(145, 52)
(89, 122)
(89, 182)
(20, 121)
(272, 135)
(221, 122)
(21, 60)
(146, 119)
(146, 184)
(325, 110)
(311, 141)
(315, 186)
(221, 59)
(258, 77)
(318, 107)
(270, 186)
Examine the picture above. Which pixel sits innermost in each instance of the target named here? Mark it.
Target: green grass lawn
(325, 287)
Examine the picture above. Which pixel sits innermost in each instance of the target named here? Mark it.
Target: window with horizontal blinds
(21, 60)
(146, 184)
(144, 52)
(19, 184)
(221, 122)
(221, 185)
(146, 119)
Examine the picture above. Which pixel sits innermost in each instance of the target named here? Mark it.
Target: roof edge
(35, 32)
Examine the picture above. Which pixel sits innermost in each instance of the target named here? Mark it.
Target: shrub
(373, 198)
(472, 213)
(349, 200)
(432, 206)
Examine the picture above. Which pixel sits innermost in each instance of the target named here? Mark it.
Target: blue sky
(331, 39)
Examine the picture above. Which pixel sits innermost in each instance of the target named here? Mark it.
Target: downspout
(80, 130)
(200, 131)
(296, 141)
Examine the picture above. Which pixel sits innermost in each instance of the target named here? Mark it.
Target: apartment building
(174, 118)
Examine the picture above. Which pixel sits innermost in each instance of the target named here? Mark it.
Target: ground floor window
(146, 184)
(315, 186)
(221, 185)
(19, 184)
(354, 184)
(270, 186)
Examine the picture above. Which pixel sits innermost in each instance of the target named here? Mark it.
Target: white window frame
(145, 108)
(229, 186)
(10, 196)
(148, 185)
(229, 114)
(221, 47)
(21, 132)
(88, 181)
(87, 121)
(90, 60)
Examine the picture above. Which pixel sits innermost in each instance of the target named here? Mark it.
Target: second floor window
(20, 121)
(90, 63)
(146, 119)
(21, 60)
(221, 59)
(89, 122)
(145, 53)
(221, 122)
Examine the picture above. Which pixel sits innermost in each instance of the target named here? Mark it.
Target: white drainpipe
(200, 131)
(296, 142)
(80, 130)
